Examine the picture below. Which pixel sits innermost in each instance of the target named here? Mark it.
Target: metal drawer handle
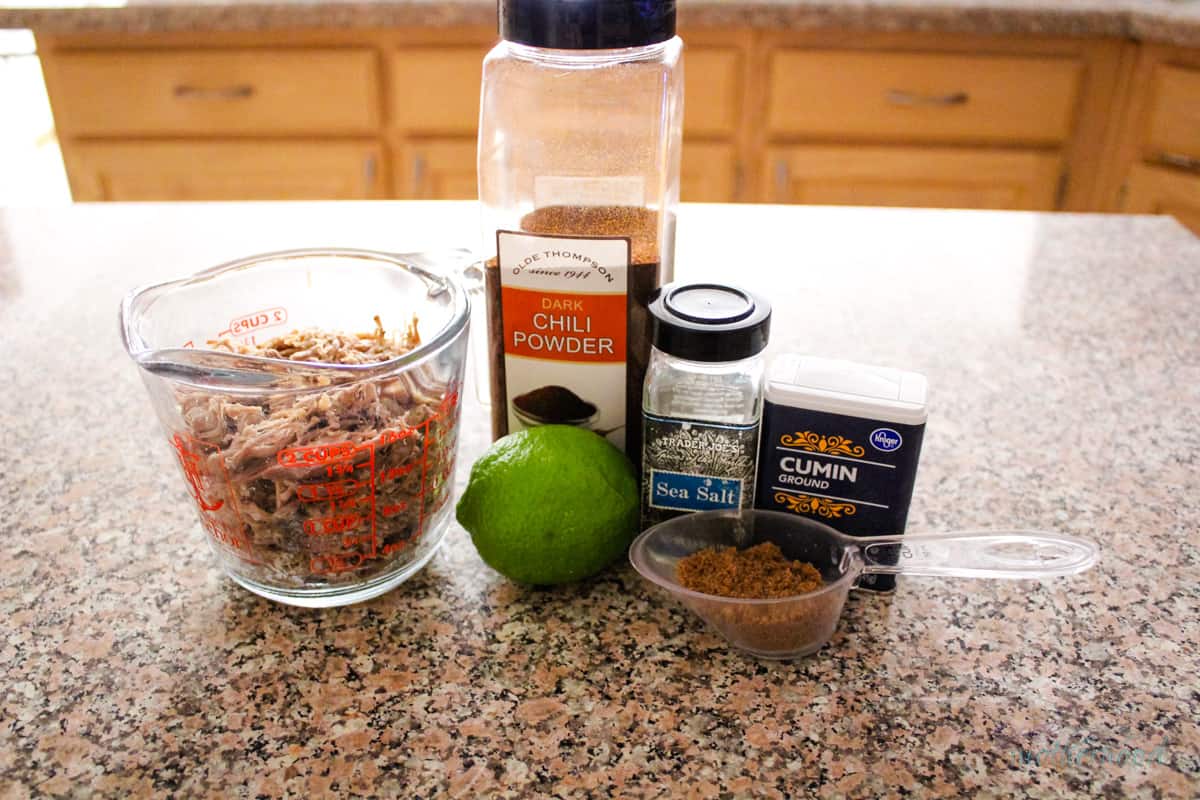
(418, 175)
(783, 180)
(899, 97)
(238, 92)
(1180, 161)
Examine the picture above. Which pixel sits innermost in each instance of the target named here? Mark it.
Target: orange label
(561, 326)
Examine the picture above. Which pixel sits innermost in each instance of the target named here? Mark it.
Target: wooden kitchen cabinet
(1158, 157)
(779, 116)
(435, 90)
(921, 97)
(708, 173)
(436, 169)
(436, 107)
(236, 91)
(444, 169)
(1173, 133)
(1160, 190)
(905, 119)
(224, 101)
(433, 113)
(714, 80)
(712, 91)
(948, 129)
(273, 170)
(914, 176)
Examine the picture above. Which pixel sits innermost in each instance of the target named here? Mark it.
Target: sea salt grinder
(703, 399)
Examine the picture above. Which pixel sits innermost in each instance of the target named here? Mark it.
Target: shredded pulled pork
(330, 347)
(332, 484)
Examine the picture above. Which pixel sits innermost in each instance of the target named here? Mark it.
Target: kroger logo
(886, 440)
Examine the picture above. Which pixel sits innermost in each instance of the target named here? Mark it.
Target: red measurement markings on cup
(445, 412)
(346, 479)
(391, 474)
(213, 494)
(255, 321)
(244, 326)
(343, 536)
(432, 433)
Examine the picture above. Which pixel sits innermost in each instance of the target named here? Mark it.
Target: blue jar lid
(586, 24)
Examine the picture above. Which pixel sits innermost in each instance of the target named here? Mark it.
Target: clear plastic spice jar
(703, 400)
(579, 143)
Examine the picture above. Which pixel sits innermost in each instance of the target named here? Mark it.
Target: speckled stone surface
(1168, 21)
(1063, 354)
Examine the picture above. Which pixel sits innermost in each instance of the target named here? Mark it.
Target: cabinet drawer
(922, 96)
(444, 169)
(224, 170)
(1175, 115)
(931, 177)
(214, 92)
(435, 90)
(1154, 190)
(708, 173)
(436, 169)
(711, 91)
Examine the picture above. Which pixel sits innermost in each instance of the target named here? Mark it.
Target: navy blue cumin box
(840, 444)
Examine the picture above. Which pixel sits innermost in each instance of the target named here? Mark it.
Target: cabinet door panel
(909, 176)
(224, 170)
(437, 169)
(215, 92)
(708, 173)
(1155, 190)
(711, 96)
(937, 97)
(1175, 114)
(435, 90)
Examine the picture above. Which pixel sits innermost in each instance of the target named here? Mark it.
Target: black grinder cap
(586, 24)
(709, 322)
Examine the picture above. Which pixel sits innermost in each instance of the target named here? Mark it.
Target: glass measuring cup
(317, 484)
(791, 627)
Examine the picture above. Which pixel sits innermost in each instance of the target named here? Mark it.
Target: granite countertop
(1167, 21)
(1063, 354)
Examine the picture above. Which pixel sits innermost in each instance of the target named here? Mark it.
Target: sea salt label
(695, 466)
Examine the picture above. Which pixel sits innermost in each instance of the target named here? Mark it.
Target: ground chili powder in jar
(641, 227)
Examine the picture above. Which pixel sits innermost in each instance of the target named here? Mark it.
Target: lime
(550, 505)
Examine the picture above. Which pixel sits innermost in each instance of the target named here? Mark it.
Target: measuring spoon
(791, 627)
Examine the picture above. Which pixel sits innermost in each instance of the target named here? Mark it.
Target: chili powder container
(840, 443)
(581, 111)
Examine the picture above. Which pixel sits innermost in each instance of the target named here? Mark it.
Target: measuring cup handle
(475, 279)
(468, 269)
(979, 554)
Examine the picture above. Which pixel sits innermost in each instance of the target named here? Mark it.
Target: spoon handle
(979, 554)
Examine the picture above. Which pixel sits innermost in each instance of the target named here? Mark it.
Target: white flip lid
(844, 387)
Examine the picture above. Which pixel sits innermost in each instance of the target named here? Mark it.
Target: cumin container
(840, 444)
(579, 141)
